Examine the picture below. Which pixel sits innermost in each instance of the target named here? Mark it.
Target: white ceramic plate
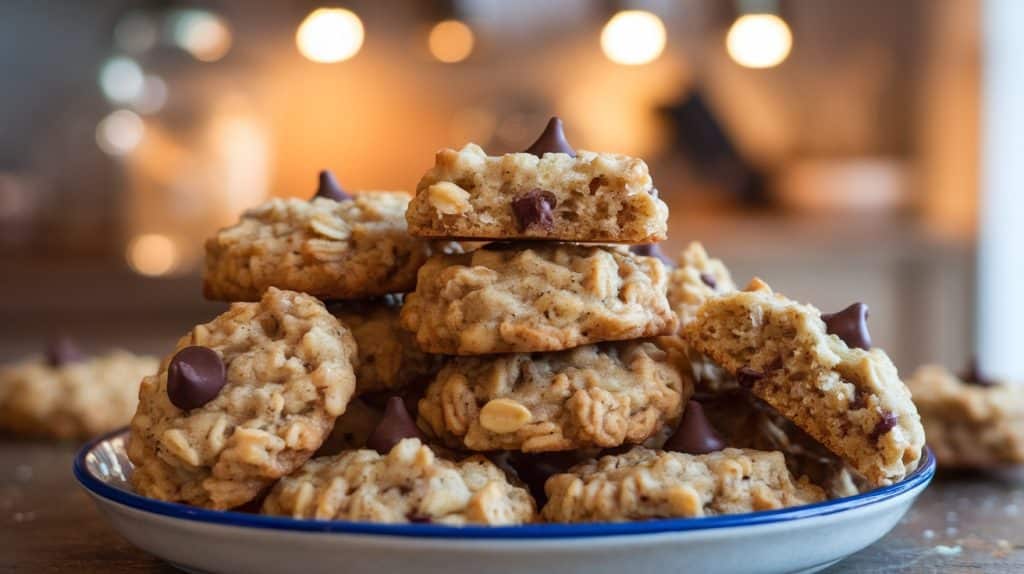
(800, 539)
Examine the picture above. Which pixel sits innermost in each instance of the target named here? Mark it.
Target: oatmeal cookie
(584, 197)
(697, 278)
(839, 390)
(389, 358)
(408, 484)
(73, 400)
(536, 297)
(349, 249)
(593, 396)
(244, 400)
(969, 425)
(644, 484)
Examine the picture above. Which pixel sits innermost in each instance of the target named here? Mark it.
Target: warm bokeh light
(633, 37)
(152, 254)
(153, 96)
(120, 132)
(330, 35)
(759, 40)
(121, 80)
(451, 41)
(203, 34)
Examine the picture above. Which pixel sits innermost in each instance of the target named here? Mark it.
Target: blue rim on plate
(921, 476)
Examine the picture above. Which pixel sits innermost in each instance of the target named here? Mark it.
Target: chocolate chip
(329, 187)
(858, 402)
(850, 325)
(551, 140)
(885, 425)
(746, 376)
(396, 425)
(534, 469)
(973, 376)
(695, 435)
(194, 377)
(62, 350)
(595, 184)
(534, 208)
(652, 250)
(709, 280)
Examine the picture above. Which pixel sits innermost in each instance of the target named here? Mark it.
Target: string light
(633, 37)
(120, 132)
(152, 254)
(201, 33)
(451, 41)
(329, 35)
(759, 40)
(121, 80)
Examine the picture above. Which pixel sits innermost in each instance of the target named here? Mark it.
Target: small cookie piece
(389, 358)
(593, 396)
(969, 425)
(849, 399)
(75, 399)
(508, 298)
(288, 375)
(697, 278)
(585, 197)
(408, 484)
(350, 249)
(643, 484)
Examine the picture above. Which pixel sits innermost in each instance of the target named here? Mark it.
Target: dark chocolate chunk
(859, 401)
(885, 425)
(194, 377)
(62, 350)
(850, 325)
(329, 187)
(973, 375)
(534, 208)
(595, 184)
(551, 140)
(746, 376)
(396, 425)
(534, 469)
(652, 250)
(695, 435)
(709, 280)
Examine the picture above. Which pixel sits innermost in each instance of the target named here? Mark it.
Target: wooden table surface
(962, 523)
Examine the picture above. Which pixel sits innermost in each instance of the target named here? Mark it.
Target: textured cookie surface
(644, 484)
(289, 376)
(696, 279)
(389, 358)
(409, 484)
(526, 298)
(594, 396)
(850, 400)
(969, 425)
(76, 400)
(603, 198)
(329, 249)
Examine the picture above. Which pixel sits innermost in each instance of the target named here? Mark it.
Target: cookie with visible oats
(411, 483)
(530, 297)
(695, 279)
(819, 372)
(970, 421)
(550, 191)
(602, 395)
(244, 400)
(643, 484)
(354, 248)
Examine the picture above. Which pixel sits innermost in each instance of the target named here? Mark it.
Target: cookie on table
(334, 246)
(67, 395)
(644, 484)
(409, 483)
(602, 395)
(388, 358)
(970, 421)
(244, 400)
(818, 371)
(695, 279)
(524, 297)
(549, 191)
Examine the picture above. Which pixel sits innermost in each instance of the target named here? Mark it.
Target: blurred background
(828, 146)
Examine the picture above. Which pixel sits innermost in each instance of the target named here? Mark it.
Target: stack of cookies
(558, 361)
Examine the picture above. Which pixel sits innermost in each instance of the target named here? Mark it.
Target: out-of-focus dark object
(702, 139)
